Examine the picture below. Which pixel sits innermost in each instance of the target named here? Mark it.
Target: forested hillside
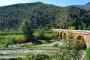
(44, 15)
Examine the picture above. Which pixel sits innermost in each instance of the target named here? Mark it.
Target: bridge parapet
(84, 33)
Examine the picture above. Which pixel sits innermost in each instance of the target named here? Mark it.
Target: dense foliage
(44, 15)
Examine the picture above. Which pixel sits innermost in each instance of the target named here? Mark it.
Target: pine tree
(26, 29)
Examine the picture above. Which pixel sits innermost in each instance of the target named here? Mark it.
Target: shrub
(87, 54)
(40, 34)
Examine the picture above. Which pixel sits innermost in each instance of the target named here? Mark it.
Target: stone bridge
(62, 33)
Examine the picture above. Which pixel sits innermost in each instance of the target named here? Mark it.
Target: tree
(84, 26)
(88, 27)
(26, 29)
(79, 27)
(14, 26)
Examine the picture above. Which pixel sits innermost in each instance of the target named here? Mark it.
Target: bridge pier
(63, 36)
(88, 42)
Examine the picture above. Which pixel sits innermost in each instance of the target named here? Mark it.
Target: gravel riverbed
(24, 51)
(8, 57)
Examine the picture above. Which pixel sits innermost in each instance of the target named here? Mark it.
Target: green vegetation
(42, 57)
(13, 39)
(40, 36)
(10, 32)
(26, 29)
(30, 56)
(87, 54)
(44, 15)
(46, 35)
(71, 50)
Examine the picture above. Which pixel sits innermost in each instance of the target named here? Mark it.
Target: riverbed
(15, 51)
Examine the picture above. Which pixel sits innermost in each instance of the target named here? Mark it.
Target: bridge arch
(79, 36)
(82, 41)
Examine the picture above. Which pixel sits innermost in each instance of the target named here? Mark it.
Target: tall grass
(13, 39)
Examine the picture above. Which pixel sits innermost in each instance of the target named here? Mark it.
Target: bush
(40, 34)
(87, 54)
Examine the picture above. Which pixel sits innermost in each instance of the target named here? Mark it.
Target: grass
(43, 47)
(50, 35)
(4, 33)
(9, 32)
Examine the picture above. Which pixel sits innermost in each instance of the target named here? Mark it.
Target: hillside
(43, 15)
(86, 6)
(79, 6)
